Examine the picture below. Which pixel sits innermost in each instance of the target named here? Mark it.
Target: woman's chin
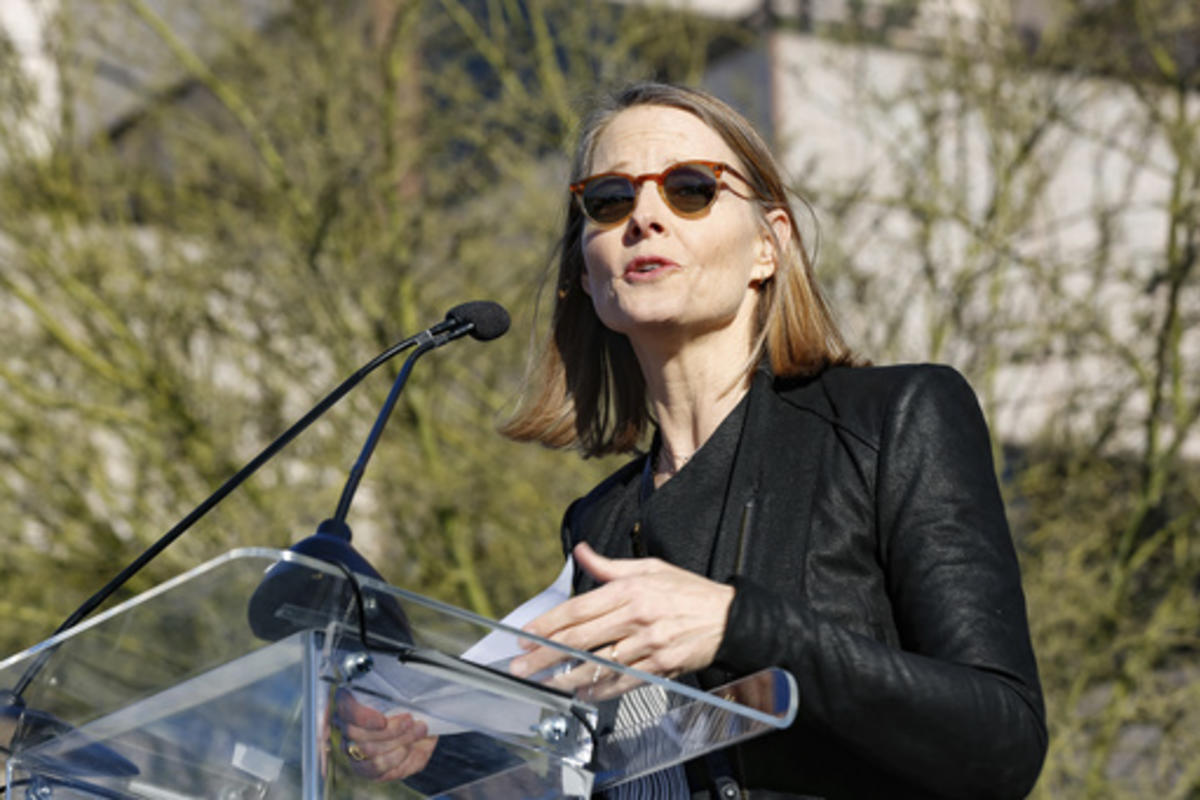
(651, 324)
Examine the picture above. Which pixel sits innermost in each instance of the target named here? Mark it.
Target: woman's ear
(775, 238)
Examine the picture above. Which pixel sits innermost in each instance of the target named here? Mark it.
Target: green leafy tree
(278, 201)
(281, 200)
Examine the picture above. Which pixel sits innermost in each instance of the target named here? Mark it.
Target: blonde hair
(585, 388)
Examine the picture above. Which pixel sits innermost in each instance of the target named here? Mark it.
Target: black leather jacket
(881, 573)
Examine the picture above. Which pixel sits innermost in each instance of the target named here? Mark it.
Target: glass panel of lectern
(225, 683)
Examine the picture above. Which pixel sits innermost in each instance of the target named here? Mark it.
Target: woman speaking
(794, 508)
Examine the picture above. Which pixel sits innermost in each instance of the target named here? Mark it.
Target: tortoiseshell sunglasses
(688, 187)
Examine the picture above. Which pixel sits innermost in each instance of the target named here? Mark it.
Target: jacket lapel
(770, 491)
(601, 522)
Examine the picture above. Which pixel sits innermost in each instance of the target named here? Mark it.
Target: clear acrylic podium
(223, 683)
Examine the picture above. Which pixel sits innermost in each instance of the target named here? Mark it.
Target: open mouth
(644, 266)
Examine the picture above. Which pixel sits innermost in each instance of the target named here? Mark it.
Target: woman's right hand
(379, 747)
(649, 615)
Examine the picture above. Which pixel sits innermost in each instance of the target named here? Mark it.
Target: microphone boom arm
(481, 319)
(241, 475)
(426, 341)
(360, 466)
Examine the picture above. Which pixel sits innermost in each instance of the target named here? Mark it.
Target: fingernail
(518, 667)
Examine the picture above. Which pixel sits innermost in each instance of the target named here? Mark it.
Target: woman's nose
(648, 211)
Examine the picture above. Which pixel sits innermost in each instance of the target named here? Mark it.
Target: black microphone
(487, 320)
(481, 319)
(278, 604)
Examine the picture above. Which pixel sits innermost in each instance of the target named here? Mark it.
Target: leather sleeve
(957, 709)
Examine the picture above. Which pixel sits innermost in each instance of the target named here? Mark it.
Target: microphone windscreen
(490, 320)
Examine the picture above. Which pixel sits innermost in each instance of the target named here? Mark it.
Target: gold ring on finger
(355, 752)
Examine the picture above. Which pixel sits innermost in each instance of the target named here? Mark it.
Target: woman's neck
(690, 392)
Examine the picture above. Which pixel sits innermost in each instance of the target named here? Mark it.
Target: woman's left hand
(649, 614)
(380, 747)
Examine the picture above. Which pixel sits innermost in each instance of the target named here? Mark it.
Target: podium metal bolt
(356, 664)
(553, 729)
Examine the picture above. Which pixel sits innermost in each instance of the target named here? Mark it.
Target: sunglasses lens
(690, 188)
(609, 198)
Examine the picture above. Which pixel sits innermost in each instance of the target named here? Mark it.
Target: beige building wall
(849, 124)
(22, 21)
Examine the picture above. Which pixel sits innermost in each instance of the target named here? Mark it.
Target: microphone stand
(32, 724)
(425, 343)
(284, 585)
(483, 320)
(223, 490)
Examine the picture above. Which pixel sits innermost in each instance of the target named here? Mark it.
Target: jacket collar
(765, 482)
